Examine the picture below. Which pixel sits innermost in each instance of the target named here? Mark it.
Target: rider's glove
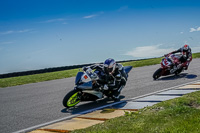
(188, 59)
(105, 87)
(84, 68)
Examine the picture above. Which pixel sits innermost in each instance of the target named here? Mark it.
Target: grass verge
(180, 115)
(13, 81)
(153, 61)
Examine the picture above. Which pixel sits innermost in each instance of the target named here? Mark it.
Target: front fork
(80, 93)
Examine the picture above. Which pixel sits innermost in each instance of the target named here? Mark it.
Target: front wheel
(157, 74)
(71, 99)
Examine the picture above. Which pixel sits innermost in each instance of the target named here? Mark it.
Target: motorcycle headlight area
(85, 78)
(166, 61)
(89, 77)
(94, 76)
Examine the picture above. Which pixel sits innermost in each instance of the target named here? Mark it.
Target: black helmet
(109, 65)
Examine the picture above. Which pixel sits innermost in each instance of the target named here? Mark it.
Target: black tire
(178, 71)
(157, 73)
(71, 99)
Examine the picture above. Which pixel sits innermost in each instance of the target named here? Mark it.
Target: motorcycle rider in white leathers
(113, 75)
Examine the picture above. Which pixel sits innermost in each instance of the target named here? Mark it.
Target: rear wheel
(157, 73)
(71, 99)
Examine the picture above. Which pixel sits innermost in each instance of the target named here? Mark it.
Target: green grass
(146, 62)
(180, 115)
(196, 55)
(13, 81)
(153, 61)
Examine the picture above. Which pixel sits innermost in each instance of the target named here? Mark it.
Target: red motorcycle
(171, 65)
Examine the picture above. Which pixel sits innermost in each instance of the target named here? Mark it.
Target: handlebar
(90, 73)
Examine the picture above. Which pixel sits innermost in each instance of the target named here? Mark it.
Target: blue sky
(37, 34)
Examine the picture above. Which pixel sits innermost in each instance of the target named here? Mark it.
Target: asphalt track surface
(33, 104)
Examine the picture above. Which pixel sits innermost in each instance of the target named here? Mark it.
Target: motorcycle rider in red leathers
(186, 56)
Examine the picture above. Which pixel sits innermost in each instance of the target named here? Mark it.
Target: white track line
(163, 90)
(91, 110)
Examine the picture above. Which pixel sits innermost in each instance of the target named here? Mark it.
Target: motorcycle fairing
(85, 86)
(166, 62)
(78, 77)
(98, 94)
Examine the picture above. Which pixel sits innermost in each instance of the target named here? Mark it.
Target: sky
(38, 34)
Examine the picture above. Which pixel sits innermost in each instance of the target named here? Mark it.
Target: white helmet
(109, 65)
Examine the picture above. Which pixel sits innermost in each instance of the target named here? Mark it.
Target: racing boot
(116, 93)
(185, 68)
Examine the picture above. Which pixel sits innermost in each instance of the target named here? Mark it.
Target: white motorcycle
(88, 87)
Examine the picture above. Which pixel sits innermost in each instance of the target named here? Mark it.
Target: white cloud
(7, 32)
(181, 32)
(23, 31)
(53, 20)
(93, 15)
(148, 51)
(122, 8)
(90, 16)
(193, 29)
(15, 31)
(6, 42)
